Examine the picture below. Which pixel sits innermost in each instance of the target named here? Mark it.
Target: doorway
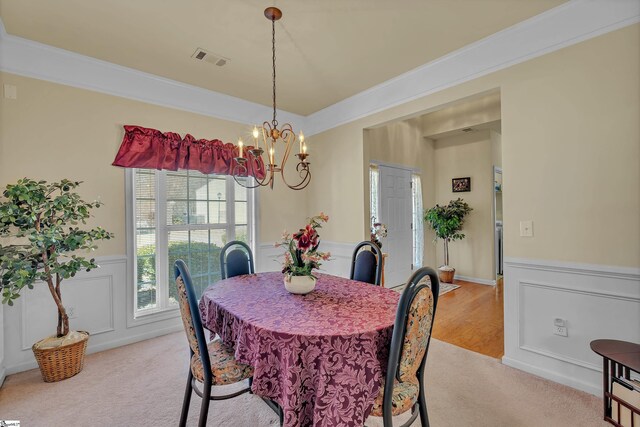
(395, 199)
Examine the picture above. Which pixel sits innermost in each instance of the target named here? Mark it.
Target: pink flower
(323, 217)
(306, 238)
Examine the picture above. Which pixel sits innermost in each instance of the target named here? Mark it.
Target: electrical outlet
(560, 330)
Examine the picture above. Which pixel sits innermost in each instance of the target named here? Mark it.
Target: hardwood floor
(472, 317)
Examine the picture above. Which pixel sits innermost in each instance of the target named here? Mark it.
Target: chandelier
(269, 136)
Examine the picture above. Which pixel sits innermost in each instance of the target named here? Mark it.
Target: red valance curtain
(151, 149)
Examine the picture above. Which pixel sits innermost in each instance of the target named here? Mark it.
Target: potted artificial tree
(447, 222)
(41, 220)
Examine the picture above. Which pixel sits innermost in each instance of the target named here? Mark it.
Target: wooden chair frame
(223, 257)
(378, 254)
(181, 270)
(397, 342)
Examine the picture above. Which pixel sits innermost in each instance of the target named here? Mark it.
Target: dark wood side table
(619, 359)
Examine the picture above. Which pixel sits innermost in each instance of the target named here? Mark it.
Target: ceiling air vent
(212, 58)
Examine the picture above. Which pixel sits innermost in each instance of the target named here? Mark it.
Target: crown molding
(32, 59)
(562, 26)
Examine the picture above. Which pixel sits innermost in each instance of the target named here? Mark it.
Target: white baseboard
(553, 376)
(596, 302)
(475, 280)
(3, 375)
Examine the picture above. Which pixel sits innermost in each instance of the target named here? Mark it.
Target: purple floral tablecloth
(320, 356)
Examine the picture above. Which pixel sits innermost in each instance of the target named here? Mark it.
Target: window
(417, 221)
(374, 193)
(184, 215)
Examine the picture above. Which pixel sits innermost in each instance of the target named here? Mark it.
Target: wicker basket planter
(446, 276)
(59, 363)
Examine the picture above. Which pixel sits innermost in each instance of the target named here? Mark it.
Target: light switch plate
(10, 91)
(526, 228)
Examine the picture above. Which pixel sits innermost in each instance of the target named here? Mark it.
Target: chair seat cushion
(405, 395)
(224, 367)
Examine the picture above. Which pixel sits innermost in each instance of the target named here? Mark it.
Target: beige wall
(570, 133)
(402, 144)
(53, 131)
(461, 156)
(338, 183)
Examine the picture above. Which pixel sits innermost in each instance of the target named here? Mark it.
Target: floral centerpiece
(378, 232)
(302, 255)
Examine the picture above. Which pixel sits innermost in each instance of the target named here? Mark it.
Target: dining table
(320, 357)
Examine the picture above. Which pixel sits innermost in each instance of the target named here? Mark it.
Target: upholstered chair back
(190, 313)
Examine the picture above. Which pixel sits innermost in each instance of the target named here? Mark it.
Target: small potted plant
(41, 219)
(447, 222)
(302, 256)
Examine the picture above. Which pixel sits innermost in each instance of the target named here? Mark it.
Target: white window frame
(163, 309)
(372, 167)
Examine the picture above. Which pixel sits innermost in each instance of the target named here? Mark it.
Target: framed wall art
(461, 185)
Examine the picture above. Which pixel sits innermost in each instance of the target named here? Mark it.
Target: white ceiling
(327, 51)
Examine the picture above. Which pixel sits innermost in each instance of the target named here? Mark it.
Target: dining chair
(236, 259)
(366, 263)
(210, 364)
(403, 387)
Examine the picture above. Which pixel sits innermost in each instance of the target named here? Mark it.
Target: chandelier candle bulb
(255, 134)
(301, 139)
(271, 155)
(304, 148)
(240, 146)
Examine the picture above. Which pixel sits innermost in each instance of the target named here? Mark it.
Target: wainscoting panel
(594, 301)
(98, 304)
(89, 304)
(268, 258)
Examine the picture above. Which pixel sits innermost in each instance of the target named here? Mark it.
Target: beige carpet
(142, 385)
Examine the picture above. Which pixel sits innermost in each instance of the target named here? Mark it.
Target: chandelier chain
(273, 50)
(249, 161)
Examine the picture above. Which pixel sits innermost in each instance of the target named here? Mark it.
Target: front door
(395, 212)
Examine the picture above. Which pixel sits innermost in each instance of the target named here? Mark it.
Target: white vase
(299, 284)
